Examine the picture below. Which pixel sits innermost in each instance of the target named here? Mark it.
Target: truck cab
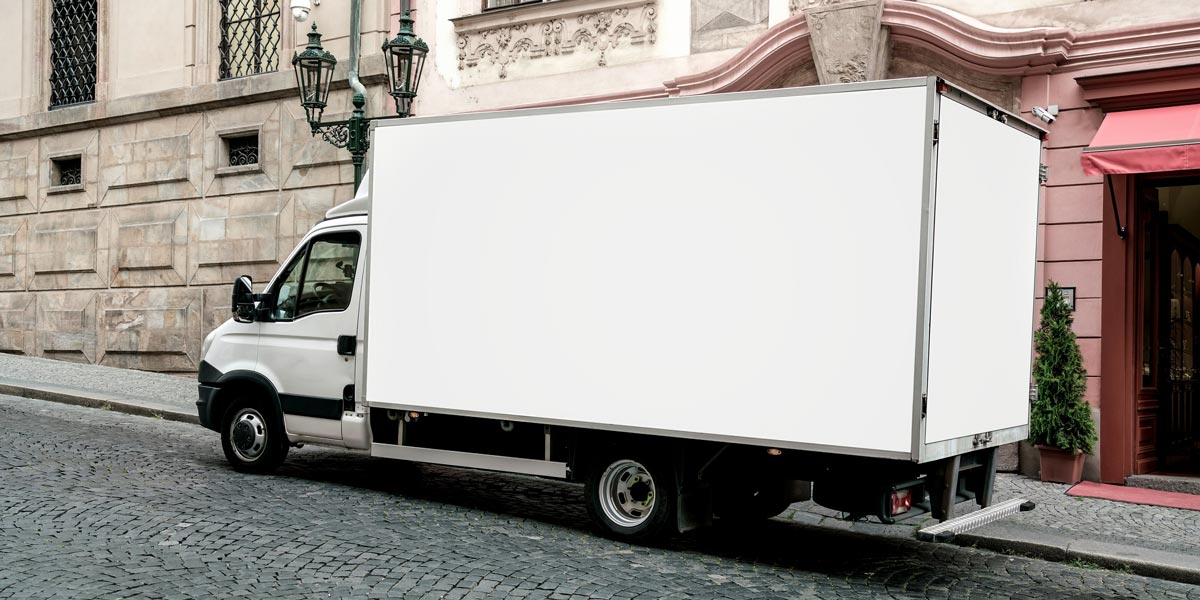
(290, 353)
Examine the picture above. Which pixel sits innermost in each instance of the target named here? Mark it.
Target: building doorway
(1168, 422)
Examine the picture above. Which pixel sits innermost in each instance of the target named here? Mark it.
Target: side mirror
(243, 300)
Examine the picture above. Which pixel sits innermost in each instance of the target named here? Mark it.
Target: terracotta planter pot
(1061, 466)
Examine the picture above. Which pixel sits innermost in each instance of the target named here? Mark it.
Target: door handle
(346, 345)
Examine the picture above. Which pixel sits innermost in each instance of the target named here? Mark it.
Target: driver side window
(320, 279)
(289, 288)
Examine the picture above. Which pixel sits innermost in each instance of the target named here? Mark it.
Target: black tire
(742, 502)
(637, 518)
(253, 437)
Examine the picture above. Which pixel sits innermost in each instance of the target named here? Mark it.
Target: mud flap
(695, 507)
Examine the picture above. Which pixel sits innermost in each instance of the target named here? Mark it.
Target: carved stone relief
(66, 326)
(18, 320)
(150, 245)
(153, 330)
(240, 235)
(598, 33)
(152, 161)
(14, 242)
(722, 24)
(18, 177)
(68, 250)
(847, 39)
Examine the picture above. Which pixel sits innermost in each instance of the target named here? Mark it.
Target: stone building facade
(130, 265)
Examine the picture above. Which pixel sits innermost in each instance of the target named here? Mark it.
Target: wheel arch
(233, 382)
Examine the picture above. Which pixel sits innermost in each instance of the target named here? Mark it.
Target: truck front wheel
(632, 498)
(252, 437)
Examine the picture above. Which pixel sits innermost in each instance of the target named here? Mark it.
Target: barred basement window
(67, 170)
(249, 37)
(72, 52)
(242, 150)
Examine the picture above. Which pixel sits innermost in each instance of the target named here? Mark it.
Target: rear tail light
(901, 501)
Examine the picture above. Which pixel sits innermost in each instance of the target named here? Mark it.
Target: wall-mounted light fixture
(1069, 295)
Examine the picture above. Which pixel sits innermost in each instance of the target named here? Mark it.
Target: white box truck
(692, 305)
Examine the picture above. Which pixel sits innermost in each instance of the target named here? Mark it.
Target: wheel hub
(627, 493)
(248, 434)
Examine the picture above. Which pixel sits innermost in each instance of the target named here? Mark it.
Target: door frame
(1121, 321)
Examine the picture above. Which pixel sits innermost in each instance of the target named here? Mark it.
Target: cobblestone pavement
(96, 504)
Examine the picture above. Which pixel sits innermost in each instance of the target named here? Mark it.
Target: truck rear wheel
(252, 437)
(632, 498)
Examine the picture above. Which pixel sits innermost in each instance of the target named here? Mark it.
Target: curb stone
(1139, 561)
(94, 399)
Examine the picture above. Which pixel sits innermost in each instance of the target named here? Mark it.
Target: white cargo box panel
(747, 267)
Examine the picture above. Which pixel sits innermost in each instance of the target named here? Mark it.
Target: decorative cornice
(975, 44)
(774, 53)
(553, 29)
(1041, 49)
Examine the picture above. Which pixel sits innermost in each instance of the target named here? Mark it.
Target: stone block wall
(131, 267)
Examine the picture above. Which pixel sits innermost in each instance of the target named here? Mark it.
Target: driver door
(314, 301)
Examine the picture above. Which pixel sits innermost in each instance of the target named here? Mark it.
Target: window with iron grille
(72, 52)
(242, 149)
(249, 37)
(66, 170)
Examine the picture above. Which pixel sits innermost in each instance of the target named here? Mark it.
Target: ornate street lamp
(314, 72)
(405, 56)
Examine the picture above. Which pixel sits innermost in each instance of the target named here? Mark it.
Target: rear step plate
(946, 530)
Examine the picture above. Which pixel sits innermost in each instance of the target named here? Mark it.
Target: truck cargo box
(846, 269)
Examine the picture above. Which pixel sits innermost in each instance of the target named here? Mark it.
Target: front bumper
(204, 406)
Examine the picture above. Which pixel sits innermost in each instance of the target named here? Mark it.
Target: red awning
(1145, 141)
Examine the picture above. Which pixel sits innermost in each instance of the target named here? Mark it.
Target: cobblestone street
(96, 504)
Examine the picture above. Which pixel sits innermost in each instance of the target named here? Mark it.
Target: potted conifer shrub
(1060, 422)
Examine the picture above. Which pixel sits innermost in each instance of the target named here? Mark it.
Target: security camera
(301, 8)
(1047, 115)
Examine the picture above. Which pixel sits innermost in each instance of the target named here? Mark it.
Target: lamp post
(405, 55)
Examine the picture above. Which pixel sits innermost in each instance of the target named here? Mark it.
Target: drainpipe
(355, 42)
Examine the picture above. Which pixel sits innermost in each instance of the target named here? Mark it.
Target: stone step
(1166, 483)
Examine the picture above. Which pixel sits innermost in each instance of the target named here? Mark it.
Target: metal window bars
(70, 170)
(72, 52)
(243, 150)
(249, 37)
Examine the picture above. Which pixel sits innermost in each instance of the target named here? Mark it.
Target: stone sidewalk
(1089, 532)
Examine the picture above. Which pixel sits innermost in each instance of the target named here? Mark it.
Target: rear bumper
(204, 406)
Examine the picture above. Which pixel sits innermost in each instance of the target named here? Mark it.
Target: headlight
(208, 340)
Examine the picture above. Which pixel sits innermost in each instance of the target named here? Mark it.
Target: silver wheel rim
(627, 493)
(248, 434)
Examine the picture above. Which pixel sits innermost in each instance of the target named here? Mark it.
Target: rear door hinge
(924, 405)
(1043, 173)
(937, 131)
